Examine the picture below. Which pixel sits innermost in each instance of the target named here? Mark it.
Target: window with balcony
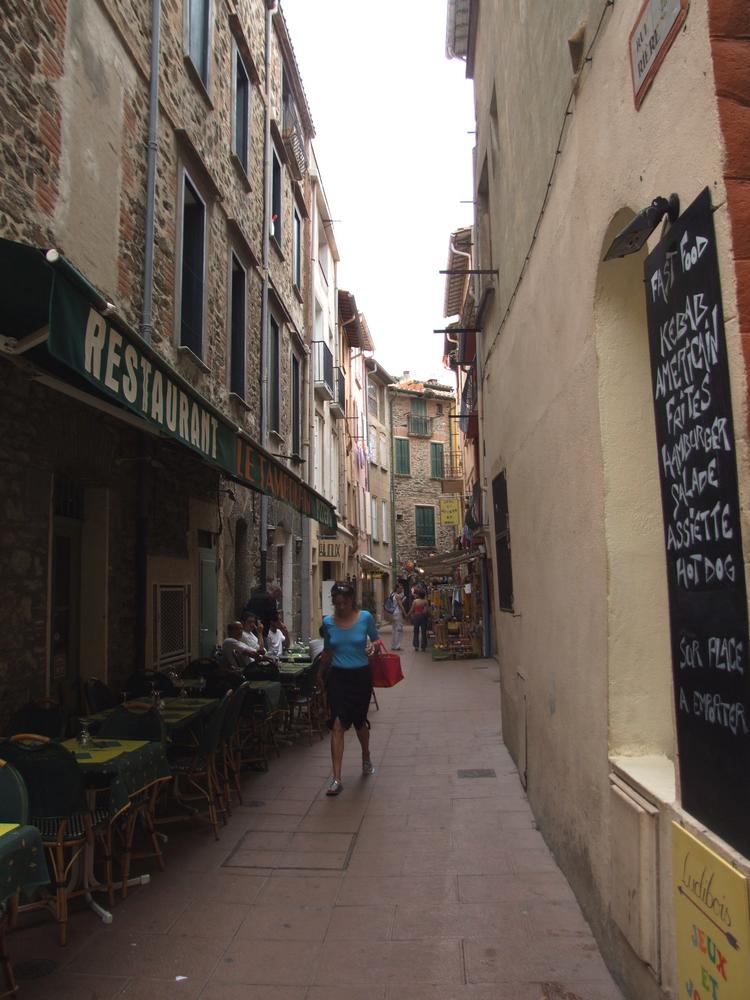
(241, 111)
(237, 321)
(192, 267)
(323, 369)
(403, 457)
(418, 422)
(276, 199)
(437, 460)
(424, 519)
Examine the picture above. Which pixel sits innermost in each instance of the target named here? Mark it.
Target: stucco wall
(550, 418)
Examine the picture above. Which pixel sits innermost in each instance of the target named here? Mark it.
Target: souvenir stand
(455, 596)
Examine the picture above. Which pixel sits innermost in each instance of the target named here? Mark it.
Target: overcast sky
(392, 119)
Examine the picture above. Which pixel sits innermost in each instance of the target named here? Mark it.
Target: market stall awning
(373, 566)
(449, 560)
(51, 316)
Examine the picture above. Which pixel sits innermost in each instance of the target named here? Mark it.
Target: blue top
(349, 645)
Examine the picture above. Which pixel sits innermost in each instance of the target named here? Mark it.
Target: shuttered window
(502, 541)
(424, 518)
(437, 464)
(403, 457)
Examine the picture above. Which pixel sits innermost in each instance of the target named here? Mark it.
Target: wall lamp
(635, 234)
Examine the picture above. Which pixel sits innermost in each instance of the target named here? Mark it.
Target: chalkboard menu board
(705, 568)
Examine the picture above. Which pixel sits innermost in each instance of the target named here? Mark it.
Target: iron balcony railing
(338, 403)
(419, 426)
(453, 467)
(294, 140)
(323, 368)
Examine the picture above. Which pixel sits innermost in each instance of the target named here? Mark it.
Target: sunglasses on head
(342, 588)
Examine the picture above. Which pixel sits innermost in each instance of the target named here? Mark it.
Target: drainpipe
(394, 558)
(264, 314)
(153, 126)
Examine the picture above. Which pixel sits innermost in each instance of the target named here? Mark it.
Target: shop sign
(712, 923)
(329, 550)
(450, 511)
(651, 38)
(82, 338)
(697, 468)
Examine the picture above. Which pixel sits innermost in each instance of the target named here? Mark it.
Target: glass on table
(84, 736)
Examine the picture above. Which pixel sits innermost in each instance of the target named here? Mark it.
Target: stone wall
(418, 489)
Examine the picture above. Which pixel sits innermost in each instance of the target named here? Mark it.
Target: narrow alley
(426, 881)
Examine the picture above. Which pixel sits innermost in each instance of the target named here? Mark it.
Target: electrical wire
(558, 150)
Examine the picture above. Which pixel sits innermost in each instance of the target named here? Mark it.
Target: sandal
(368, 767)
(334, 787)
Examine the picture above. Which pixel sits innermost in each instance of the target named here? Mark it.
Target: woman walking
(397, 616)
(345, 634)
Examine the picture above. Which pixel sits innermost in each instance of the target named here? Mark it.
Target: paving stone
(361, 923)
(275, 923)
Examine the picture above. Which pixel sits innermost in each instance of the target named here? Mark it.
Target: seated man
(278, 637)
(238, 654)
(252, 632)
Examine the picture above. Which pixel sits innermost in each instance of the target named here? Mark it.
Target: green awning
(51, 315)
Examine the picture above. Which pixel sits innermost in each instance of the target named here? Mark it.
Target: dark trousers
(420, 629)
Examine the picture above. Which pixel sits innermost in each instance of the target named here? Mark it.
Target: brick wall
(729, 25)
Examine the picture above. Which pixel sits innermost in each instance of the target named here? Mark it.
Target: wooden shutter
(425, 526)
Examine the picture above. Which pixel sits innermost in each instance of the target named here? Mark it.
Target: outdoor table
(178, 713)
(122, 766)
(293, 671)
(271, 694)
(22, 862)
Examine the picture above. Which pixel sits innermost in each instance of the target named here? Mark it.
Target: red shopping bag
(385, 667)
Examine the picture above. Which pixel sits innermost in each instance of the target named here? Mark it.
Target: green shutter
(437, 465)
(403, 464)
(425, 526)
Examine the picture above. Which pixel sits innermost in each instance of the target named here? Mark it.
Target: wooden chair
(58, 808)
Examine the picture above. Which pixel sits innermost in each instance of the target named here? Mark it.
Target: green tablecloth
(270, 694)
(178, 713)
(124, 766)
(291, 671)
(22, 862)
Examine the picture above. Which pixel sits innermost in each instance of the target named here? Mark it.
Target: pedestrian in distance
(345, 672)
(419, 616)
(397, 615)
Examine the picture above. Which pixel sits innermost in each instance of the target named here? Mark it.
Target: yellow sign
(329, 551)
(711, 922)
(450, 511)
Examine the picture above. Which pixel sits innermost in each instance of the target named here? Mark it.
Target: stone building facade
(425, 466)
(588, 606)
(122, 548)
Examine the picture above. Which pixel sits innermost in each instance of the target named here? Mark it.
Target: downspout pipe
(147, 325)
(265, 263)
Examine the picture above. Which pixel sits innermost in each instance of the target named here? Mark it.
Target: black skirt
(349, 692)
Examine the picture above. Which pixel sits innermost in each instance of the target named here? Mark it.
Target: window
(372, 444)
(198, 14)
(192, 266)
(424, 518)
(372, 399)
(437, 463)
(241, 111)
(383, 450)
(297, 251)
(374, 518)
(403, 457)
(274, 367)
(276, 220)
(502, 541)
(385, 535)
(296, 406)
(237, 307)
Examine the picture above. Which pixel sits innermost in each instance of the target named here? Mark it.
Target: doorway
(207, 595)
(65, 613)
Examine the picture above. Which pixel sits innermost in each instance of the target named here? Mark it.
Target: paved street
(416, 883)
